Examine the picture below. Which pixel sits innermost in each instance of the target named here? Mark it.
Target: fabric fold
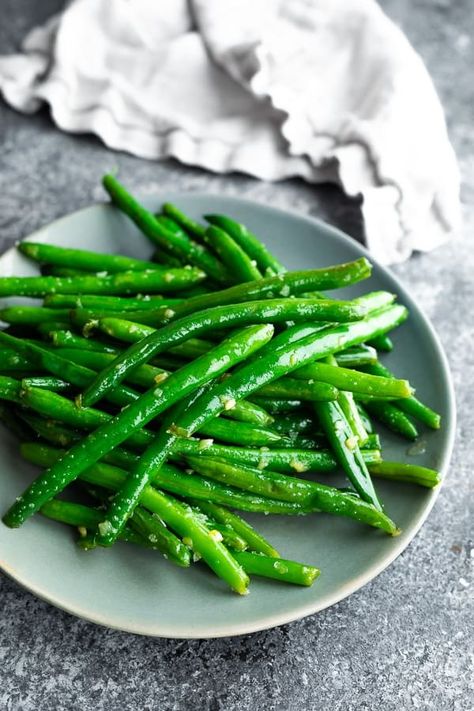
(320, 89)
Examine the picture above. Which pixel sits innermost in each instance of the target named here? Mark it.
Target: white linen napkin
(322, 89)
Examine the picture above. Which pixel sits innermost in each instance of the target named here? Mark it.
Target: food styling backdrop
(402, 642)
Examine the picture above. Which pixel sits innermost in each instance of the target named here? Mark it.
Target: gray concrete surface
(404, 641)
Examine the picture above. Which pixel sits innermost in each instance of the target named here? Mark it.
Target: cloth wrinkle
(323, 90)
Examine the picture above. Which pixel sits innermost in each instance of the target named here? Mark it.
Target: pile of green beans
(198, 382)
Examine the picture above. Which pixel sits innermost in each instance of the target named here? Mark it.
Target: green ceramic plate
(134, 590)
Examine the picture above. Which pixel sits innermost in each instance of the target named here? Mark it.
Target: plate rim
(374, 570)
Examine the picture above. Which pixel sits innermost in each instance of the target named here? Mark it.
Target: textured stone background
(404, 641)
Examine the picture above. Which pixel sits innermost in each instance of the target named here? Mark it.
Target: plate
(136, 591)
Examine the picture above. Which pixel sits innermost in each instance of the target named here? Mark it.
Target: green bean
(225, 316)
(274, 485)
(82, 259)
(144, 376)
(68, 339)
(178, 244)
(308, 442)
(293, 425)
(392, 417)
(283, 460)
(346, 450)
(332, 339)
(62, 368)
(169, 362)
(411, 406)
(318, 345)
(186, 485)
(164, 258)
(166, 546)
(119, 329)
(151, 281)
(147, 375)
(382, 343)
(86, 517)
(195, 290)
(71, 513)
(133, 332)
(291, 388)
(55, 433)
(255, 540)
(277, 407)
(229, 537)
(190, 485)
(54, 406)
(10, 389)
(183, 220)
(178, 516)
(124, 502)
(87, 319)
(349, 408)
(138, 413)
(349, 380)
(292, 333)
(87, 541)
(48, 326)
(411, 473)
(357, 356)
(51, 430)
(365, 419)
(152, 530)
(351, 413)
(240, 266)
(311, 360)
(242, 433)
(309, 494)
(195, 487)
(249, 243)
(108, 303)
(12, 361)
(31, 315)
(45, 382)
(337, 311)
(161, 257)
(290, 284)
(240, 384)
(375, 300)
(246, 411)
(171, 225)
(372, 303)
(19, 374)
(192, 348)
(287, 571)
(372, 442)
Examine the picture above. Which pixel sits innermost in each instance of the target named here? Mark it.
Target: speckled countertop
(405, 640)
